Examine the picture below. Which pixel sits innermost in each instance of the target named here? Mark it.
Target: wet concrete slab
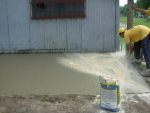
(55, 74)
(23, 74)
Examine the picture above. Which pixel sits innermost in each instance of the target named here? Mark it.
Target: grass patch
(136, 21)
(123, 20)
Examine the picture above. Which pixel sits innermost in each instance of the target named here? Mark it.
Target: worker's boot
(146, 73)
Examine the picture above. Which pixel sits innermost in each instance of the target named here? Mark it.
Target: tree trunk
(130, 15)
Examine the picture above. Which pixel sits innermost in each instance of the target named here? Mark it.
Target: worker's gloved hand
(130, 49)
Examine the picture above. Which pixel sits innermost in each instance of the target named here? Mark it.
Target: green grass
(136, 21)
(123, 20)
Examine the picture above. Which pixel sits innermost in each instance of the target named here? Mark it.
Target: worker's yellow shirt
(136, 34)
(147, 12)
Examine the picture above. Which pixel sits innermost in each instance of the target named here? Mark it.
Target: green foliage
(124, 10)
(144, 4)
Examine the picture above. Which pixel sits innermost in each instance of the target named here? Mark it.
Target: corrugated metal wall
(4, 34)
(95, 33)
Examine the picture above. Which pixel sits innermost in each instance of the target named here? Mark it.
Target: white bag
(110, 94)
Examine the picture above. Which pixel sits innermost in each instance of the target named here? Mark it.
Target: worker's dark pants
(137, 50)
(144, 44)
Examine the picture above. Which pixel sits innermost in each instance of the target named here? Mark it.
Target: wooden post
(130, 15)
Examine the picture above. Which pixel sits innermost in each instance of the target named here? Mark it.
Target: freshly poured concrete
(55, 74)
(42, 74)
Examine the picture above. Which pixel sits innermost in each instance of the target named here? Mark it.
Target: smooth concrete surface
(22, 74)
(54, 74)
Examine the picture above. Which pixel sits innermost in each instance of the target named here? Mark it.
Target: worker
(138, 38)
(143, 11)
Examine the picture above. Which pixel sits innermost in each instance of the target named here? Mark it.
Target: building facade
(58, 25)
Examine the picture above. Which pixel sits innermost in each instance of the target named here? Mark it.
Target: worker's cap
(121, 30)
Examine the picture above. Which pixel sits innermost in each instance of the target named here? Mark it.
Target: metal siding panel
(49, 35)
(117, 25)
(37, 34)
(92, 29)
(110, 25)
(55, 35)
(99, 28)
(18, 24)
(74, 36)
(4, 34)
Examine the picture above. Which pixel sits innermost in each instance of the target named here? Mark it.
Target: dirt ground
(48, 104)
(70, 104)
